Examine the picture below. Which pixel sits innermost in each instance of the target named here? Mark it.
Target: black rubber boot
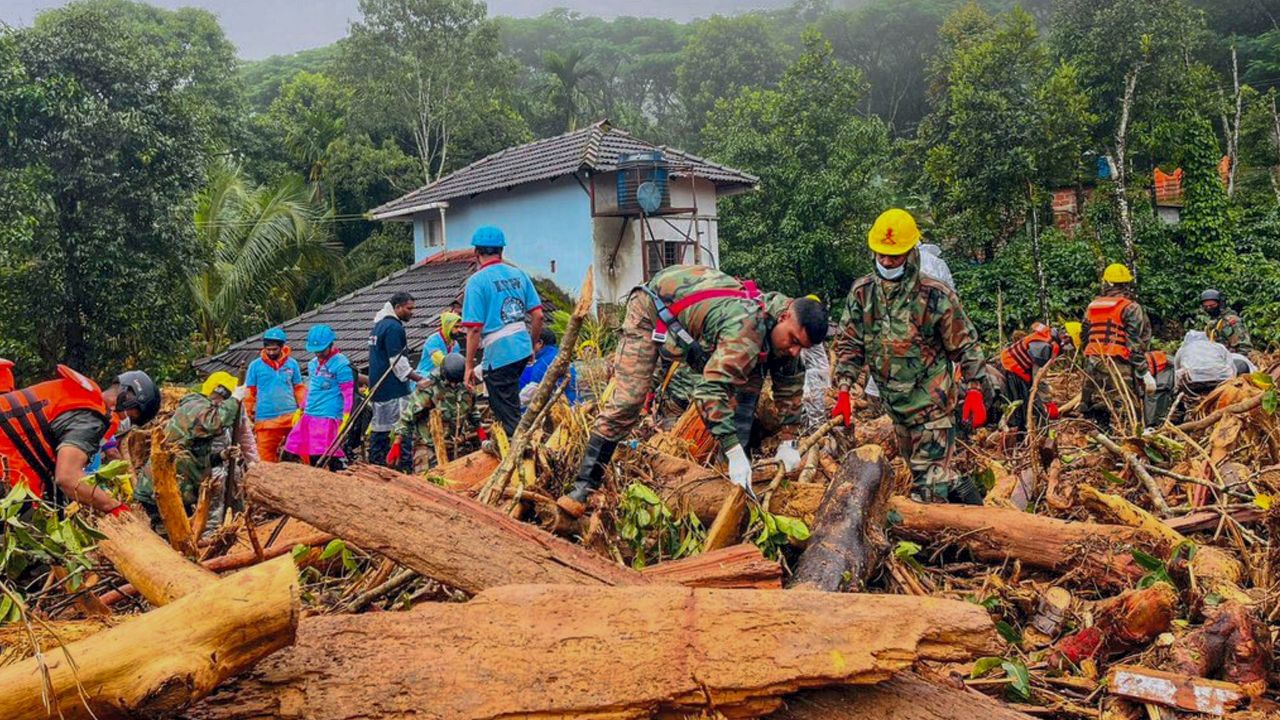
(965, 491)
(599, 453)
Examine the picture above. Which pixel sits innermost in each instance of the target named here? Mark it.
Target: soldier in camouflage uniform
(445, 391)
(728, 333)
(909, 331)
(1222, 324)
(1116, 334)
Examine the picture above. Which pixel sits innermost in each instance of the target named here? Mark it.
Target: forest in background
(161, 198)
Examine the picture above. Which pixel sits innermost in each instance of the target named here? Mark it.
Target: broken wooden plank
(1184, 692)
(737, 566)
(848, 534)
(905, 697)
(156, 664)
(598, 652)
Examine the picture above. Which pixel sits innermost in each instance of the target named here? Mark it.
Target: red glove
(974, 413)
(1052, 409)
(119, 510)
(393, 455)
(482, 434)
(648, 402)
(843, 408)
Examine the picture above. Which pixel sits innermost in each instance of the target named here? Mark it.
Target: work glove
(231, 453)
(119, 510)
(397, 449)
(740, 470)
(843, 408)
(788, 455)
(1052, 409)
(482, 434)
(974, 413)
(1149, 383)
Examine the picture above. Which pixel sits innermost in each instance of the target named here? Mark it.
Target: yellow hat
(1117, 273)
(224, 379)
(894, 233)
(1073, 329)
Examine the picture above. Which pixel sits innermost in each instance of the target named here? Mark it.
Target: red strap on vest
(749, 292)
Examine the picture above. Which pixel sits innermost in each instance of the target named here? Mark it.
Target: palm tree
(264, 248)
(310, 143)
(565, 85)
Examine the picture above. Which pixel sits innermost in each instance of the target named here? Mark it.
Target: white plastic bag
(1203, 361)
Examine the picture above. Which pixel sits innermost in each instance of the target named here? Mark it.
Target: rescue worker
(444, 391)
(6, 375)
(273, 393)
(909, 330)
(1115, 331)
(440, 343)
(1223, 324)
(545, 349)
(48, 432)
(391, 374)
(1156, 406)
(331, 386)
(1013, 376)
(731, 335)
(495, 303)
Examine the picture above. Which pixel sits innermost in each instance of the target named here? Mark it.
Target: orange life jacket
(1017, 357)
(1107, 335)
(1157, 362)
(28, 449)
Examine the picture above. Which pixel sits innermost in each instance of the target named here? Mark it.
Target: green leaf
(984, 665)
(334, 547)
(1153, 454)
(348, 561)
(1270, 401)
(793, 528)
(299, 551)
(6, 604)
(906, 550)
(1020, 685)
(1262, 380)
(643, 518)
(1146, 561)
(644, 493)
(1010, 633)
(1112, 477)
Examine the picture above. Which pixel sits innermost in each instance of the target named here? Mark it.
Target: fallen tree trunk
(155, 570)
(19, 642)
(537, 652)
(848, 533)
(156, 664)
(905, 697)
(439, 534)
(738, 566)
(1083, 552)
(164, 475)
(686, 487)
(467, 472)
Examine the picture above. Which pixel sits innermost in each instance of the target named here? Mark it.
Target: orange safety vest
(28, 449)
(1017, 357)
(1107, 335)
(1157, 362)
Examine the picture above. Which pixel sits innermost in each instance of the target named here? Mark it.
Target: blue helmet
(488, 236)
(275, 334)
(319, 337)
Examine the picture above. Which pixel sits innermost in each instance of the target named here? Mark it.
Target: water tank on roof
(642, 183)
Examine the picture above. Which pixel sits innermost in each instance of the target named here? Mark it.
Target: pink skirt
(312, 436)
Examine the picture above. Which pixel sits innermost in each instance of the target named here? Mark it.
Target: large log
(439, 534)
(155, 570)
(687, 487)
(594, 652)
(1083, 552)
(905, 697)
(156, 664)
(18, 641)
(737, 566)
(848, 533)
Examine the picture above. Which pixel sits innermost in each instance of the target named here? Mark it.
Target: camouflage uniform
(734, 334)
(909, 334)
(1098, 383)
(1229, 330)
(458, 412)
(197, 425)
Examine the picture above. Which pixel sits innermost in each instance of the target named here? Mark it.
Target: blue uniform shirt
(496, 299)
(324, 393)
(433, 344)
(275, 387)
(386, 342)
(538, 369)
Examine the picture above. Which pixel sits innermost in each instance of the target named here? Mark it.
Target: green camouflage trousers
(1100, 393)
(633, 370)
(927, 448)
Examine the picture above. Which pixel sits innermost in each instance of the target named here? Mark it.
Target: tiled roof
(595, 149)
(434, 283)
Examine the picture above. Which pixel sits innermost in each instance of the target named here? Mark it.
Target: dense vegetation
(161, 198)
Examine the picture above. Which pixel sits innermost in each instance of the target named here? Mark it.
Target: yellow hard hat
(224, 379)
(813, 297)
(1073, 329)
(894, 233)
(1117, 273)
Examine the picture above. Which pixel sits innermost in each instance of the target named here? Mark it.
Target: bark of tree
(848, 535)
(593, 652)
(466, 472)
(1233, 644)
(1122, 623)
(738, 566)
(1082, 552)
(154, 569)
(905, 697)
(156, 664)
(18, 642)
(1122, 167)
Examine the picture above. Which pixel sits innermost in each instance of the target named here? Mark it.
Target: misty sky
(260, 28)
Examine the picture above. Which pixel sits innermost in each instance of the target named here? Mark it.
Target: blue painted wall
(543, 222)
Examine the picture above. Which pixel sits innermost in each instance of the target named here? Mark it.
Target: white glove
(479, 372)
(1149, 383)
(740, 470)
(788, 455)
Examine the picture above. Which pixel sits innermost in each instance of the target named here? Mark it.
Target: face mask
(1214, 311)
(890, 273)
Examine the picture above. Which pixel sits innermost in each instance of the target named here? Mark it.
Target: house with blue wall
(595, 196)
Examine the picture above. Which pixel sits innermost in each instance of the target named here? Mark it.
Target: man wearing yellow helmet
(909, 331)
(1115, 331)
